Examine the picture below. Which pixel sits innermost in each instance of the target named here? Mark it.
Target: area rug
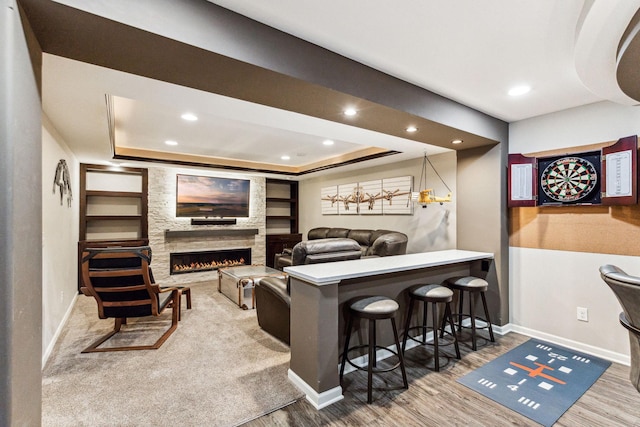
(217, 369)
(537, 379)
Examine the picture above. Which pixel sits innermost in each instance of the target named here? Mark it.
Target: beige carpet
(217, 369)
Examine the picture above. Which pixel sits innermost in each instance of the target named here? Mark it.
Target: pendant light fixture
(426, 196)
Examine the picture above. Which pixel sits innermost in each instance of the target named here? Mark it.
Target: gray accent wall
(482, 219)
(20, 226)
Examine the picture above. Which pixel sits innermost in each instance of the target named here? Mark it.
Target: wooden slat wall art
(347, 195)
(329, 200)
(397, 195)
(594, 229)
(389, 196)
(372, 197)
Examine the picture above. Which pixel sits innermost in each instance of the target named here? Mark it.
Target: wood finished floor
(436, 399)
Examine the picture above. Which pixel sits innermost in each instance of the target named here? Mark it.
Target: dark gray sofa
(372, 242)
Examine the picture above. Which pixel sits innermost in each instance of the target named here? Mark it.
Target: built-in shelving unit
(282, 206)
(113, 203)
(282, 217)
(113, 208)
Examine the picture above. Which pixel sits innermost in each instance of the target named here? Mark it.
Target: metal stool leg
(375, 344)
(407, 324)
(472, 313)
(434, 315)
(400, 356)
(372, 358)
(449, 317)
(444, 322)
(486, 313)
(424, 321)
(461, 295)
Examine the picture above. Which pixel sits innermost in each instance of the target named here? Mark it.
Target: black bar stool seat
(373, 308)
(434, 294)
(474, 286)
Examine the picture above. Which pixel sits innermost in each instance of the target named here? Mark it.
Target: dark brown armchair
(273, 303)
(120, 281)
(627, 289)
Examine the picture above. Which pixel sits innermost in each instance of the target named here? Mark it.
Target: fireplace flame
(204, 266)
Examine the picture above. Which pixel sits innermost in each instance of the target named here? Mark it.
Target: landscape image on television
(206, 196)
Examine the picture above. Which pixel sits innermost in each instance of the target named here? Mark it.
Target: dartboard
(569, 179)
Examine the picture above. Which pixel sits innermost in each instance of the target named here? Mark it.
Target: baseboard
(55, 337)
(623, 359)
(318, 400)
(503, 330)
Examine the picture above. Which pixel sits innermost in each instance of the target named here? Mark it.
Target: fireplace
(193, 262)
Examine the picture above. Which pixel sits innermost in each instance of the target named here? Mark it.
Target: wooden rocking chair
(120, 281)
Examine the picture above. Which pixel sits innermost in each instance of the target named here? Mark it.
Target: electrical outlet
(583, 314)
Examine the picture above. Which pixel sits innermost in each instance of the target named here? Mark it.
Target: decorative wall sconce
(426, 196)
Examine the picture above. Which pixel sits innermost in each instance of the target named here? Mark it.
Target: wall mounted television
(210, 197)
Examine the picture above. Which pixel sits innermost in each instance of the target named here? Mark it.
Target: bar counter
(319, 293)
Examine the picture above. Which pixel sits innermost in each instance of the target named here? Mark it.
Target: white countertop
(333, 272)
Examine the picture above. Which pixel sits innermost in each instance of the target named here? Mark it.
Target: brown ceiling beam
(247, 60)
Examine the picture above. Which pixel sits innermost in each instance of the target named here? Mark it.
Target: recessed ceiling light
(519, 90)
(456, 141)
(285, 157)
(169, 142)
(190, 117)
(350, 112)
(411, 129)
(328, 142)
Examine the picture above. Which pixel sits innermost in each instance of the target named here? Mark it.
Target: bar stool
(433, 294)
(472, 285)
(373, 308)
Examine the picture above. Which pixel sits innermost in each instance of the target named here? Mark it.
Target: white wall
(547, 286)
(59, 238)
(429, 229)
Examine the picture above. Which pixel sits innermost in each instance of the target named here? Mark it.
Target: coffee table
(237, 283)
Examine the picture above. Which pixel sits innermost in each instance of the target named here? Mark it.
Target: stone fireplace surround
(169, 234)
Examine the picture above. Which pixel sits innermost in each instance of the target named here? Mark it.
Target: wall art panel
(329, 200)
(396, 193)
(348, 195)
(370, 197)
